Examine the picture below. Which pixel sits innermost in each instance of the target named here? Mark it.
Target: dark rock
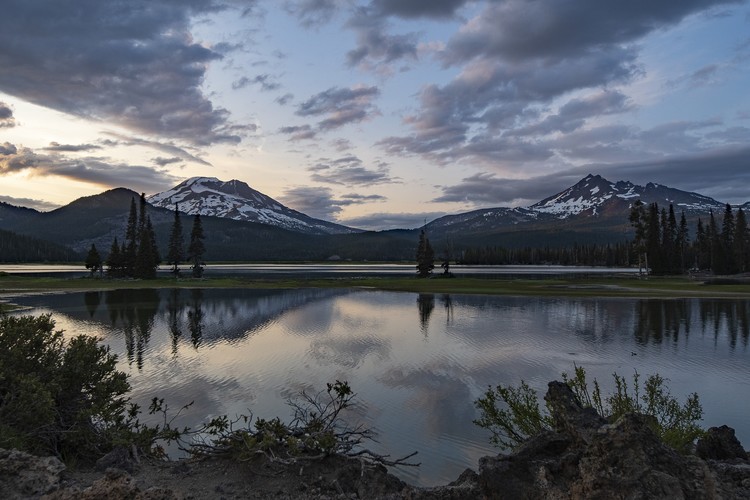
(720, 443)
(118, 458)
(587, 458)
(23, 475)
(568, 415)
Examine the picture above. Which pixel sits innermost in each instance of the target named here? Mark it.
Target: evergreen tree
(727, 242)
(147, 258)
(425, 256)
(196, 248)
(741, 242)
(653, 240)
(715, 257)
(130, 245)
(175, 254)
(114, 260)
(702, 247)
(681, 243)
(93, 260)
(638, 221)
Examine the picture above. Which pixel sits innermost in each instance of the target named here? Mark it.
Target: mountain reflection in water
(417, 361)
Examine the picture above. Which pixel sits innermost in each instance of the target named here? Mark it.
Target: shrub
(512, 415)
(64, 398)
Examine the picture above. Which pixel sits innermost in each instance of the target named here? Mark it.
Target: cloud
(95, 170)
(265, 82)
(517, 60)
(6, 116)
(409, 9)
(284, 99)
(359, 199)
(162, 162)
(314, 201)
(320, 202)
(349, 171)
(375, 48)
(171, 149)
(298, 132)
(133, 64)
(487, 190)
(516, 30)
(8, 149)
(340, 106)
(40, 205)
(314, 13)
(71, 148)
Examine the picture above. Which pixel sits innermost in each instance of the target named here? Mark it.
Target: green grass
(613, 286)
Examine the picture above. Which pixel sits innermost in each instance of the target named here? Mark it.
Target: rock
(118, 458)
(720, 443)
(585, 457)
(23, 475)
(115, 485)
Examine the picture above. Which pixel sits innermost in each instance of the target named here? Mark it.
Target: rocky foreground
(585, 457)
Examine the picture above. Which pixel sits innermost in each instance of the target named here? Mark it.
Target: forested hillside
(17, 248)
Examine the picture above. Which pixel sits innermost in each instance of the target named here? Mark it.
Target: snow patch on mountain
(236, 200)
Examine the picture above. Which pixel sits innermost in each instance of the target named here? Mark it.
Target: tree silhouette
(425, 256)
(93, 260)
(196, 249)
(175, 254)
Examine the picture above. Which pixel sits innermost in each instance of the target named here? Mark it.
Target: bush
(513, 415)
(64, 398)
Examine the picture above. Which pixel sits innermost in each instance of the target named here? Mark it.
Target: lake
(417, 362)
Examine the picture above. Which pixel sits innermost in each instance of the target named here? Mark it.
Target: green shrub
(64, 398)
(512, 415)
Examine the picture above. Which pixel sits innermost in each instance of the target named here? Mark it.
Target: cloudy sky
(373, 113)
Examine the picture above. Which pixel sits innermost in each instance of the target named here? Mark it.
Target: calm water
(417, 362)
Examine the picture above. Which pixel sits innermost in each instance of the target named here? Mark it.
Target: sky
(373, 113)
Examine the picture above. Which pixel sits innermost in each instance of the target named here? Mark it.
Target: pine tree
(93, 260)
(196, 248)
(130, 245)
(741, 242)
(638, 221)
(425, 256)
(114, 260)
(653, 239)
(147, 254)
(727, 242)
(175, 254)
(681, 242)
(716, 259)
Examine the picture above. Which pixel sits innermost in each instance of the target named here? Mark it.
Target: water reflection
(425, 305)
(417, 371)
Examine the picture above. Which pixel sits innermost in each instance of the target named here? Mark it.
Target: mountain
(594, 210)
(236, 200)
(593, 195)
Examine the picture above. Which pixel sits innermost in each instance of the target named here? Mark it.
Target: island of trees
(138, 255)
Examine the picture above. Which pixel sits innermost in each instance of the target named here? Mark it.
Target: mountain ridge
(594, 210)
(236, 200)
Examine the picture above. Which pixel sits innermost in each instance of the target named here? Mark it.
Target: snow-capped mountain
(594, 195)
(592, 200)
(236, 200)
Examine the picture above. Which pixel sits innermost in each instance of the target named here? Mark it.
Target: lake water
(417, 362)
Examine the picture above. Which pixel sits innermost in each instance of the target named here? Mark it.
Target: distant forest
(17, 248)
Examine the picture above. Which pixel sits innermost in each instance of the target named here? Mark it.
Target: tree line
(18, 248)
(663, 245)
(611, 255)
(138, 255)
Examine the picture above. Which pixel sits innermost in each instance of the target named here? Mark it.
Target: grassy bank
(604, 286)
